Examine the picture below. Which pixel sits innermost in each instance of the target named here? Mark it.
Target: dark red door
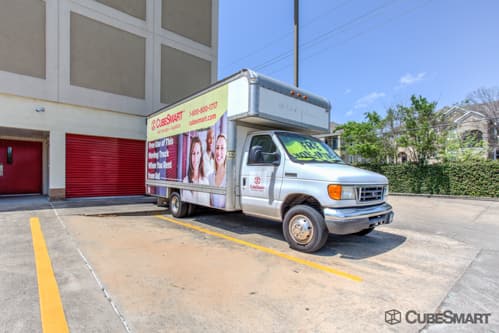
(101, 166)
(20, 167)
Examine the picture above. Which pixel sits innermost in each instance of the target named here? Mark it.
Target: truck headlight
(338, 192)
(348, 193)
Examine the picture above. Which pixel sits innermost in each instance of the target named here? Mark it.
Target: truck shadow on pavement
(360, 247)
(349, 247)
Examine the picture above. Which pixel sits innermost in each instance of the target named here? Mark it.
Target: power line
(324, 36)
(339, 28)
(369, 29)
(289, 33)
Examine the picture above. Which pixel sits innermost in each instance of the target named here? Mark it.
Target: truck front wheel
(304, 229)
(177, 207)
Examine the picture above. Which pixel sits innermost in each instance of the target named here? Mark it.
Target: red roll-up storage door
(100, 166)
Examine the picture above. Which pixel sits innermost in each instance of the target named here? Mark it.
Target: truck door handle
(244, 181)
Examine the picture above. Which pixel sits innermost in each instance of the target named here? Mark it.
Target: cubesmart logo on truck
(167, 120)
(197, 113)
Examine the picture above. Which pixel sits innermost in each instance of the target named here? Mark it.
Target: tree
(487, 99)
(362, 138)
(419, 129)
(389, 133)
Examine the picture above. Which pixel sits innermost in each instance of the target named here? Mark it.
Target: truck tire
(364, 232)
(191, 210)
(304, 229)
(177, 207)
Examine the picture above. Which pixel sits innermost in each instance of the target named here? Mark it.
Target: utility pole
(296, 42)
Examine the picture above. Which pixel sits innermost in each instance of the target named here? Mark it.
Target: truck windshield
(307, 149)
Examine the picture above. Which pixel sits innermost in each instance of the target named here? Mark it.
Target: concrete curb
(444, 196)
(129, 213)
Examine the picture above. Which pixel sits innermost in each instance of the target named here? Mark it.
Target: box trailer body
(244, 143)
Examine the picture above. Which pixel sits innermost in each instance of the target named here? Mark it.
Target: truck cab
(299, 180)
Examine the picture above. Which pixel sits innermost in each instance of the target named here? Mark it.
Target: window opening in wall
(472, 138)
(9, 155)
(332, 141)
(403, 157)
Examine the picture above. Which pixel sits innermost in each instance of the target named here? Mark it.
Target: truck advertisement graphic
(188, 144)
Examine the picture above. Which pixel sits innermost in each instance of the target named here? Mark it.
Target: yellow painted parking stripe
(51, 310)
(265, 249)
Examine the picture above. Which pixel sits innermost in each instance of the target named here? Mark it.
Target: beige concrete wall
(22, 37)
(136, 8)
(182, 74)
(19, 112)
(63, 77)
(106, 58)
(189, 18)
(96, 68)
(474, 123)
(58, 119)
(57, 162)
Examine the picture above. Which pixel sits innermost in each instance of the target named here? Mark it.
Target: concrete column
(45, 169)
(57, 165)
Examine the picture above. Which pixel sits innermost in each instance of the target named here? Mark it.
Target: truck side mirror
(255, 154)
(277, 159)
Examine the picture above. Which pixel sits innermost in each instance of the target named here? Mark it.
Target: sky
(366, 55)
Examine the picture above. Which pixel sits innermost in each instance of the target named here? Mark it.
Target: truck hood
(334, 173)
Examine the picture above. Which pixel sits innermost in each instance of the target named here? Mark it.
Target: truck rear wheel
(304, 229)
(177, 207)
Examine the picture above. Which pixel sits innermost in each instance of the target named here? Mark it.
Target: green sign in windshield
(303, 148)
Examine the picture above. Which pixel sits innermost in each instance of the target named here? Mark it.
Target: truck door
(261, 177)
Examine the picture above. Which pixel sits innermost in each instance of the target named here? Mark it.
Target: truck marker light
(334, 191)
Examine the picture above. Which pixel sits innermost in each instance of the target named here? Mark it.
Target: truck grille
(370, 193)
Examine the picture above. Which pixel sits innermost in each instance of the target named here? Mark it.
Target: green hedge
(479, 179)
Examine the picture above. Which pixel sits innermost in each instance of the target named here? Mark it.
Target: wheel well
(171, 190)
(300, 199)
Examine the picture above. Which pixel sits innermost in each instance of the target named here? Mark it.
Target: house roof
(468, 115)
(460, 113)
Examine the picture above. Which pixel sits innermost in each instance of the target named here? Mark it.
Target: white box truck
(244, 143)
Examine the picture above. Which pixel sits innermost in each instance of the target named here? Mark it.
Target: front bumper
(343, 221)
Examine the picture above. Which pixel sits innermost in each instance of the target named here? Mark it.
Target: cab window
(262, 150)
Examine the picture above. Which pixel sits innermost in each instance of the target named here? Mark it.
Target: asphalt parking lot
(125, 265)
